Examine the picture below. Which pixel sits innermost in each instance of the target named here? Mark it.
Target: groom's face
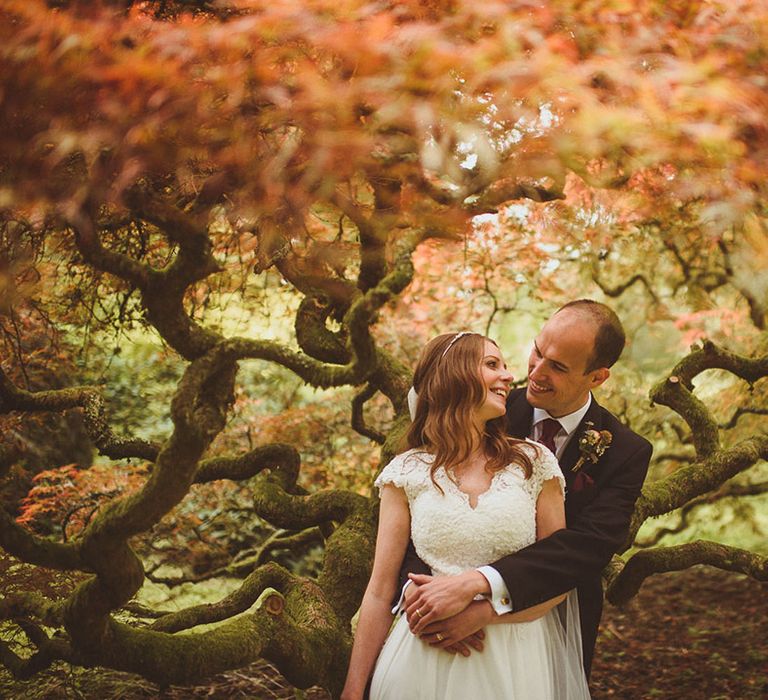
(557, 378)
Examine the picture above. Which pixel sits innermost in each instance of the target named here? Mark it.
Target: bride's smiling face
(496, 381)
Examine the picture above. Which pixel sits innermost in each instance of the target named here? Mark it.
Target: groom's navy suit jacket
(597, 521)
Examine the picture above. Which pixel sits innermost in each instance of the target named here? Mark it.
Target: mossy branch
(279, 457)
(293, 627)
(162, 292)
(361, 314)
(30, 604)
(94, 253)
(48, 651)
(269, 575)
(358, 419)
(198, 410)
(393, 379)
(691, 481)
(307, 274)
(187, 231)
(315, 373)
(296, 512)
(625, 582)
(676, 391)
(345, 572)
(372, 232)
(95, 416)
(29, 548)
(727, 491)
(313, 335)
(364, 356)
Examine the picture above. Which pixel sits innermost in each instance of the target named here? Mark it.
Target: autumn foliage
(383, 170)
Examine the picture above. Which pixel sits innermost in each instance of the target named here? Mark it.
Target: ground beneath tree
(701, 633)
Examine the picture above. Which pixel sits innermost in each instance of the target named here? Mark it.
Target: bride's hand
(461, 631)
(463, 647)
(440, 597)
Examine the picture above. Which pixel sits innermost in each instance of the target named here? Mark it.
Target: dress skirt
(520, 661)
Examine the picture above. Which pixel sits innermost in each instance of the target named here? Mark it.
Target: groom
(571, 356)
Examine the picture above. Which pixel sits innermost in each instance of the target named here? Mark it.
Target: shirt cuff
(499, 599)
(399, 606)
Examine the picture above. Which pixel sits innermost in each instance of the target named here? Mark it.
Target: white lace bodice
(449, 535)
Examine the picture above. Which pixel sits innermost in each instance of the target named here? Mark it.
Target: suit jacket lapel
(571, 454)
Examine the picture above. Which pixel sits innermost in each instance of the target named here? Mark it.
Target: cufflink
(505, 601)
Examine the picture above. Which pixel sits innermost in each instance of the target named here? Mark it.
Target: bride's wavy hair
(449, 385)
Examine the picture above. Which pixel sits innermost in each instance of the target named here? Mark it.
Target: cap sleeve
(408, 471)
(545, 467)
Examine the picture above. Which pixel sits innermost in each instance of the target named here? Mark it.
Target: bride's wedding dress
(539, 660)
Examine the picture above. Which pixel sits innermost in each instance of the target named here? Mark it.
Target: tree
(156, 155)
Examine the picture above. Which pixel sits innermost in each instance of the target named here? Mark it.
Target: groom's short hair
(609, 337)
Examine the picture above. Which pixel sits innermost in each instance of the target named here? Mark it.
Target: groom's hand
(440, 597)
(462, 631)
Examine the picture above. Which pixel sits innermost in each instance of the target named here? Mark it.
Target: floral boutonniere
(592, 444)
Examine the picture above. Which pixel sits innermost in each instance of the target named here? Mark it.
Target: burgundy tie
(549, 428)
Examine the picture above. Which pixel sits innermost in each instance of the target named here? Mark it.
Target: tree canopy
(160, 158)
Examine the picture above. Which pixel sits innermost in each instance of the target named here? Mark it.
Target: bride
(466, 494)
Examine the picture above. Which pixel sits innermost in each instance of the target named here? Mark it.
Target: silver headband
(413, 397)
(453, 340)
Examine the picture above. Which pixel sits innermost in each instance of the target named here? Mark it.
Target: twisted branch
(314, 337)
(27, 547)
(731, 491)
(626, 582)
(290, 624)
(94, 253)
(358, 419)
(48, 651)
(31, 605)
(187, 231)
(276, 456)
(676, 391)
(95, 416)
(690, 481)
(270, 575)
(743, 411)
(619, 289)
(162, 292)
(198, 411)
(372, 231)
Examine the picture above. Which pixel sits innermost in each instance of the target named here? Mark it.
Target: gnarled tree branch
(95, 416)
(690, 481)
(728, 491)
(625, 582)
(677, 390)
(358, 420)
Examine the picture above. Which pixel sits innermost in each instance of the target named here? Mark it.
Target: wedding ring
(418, 612)
(440, 637)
